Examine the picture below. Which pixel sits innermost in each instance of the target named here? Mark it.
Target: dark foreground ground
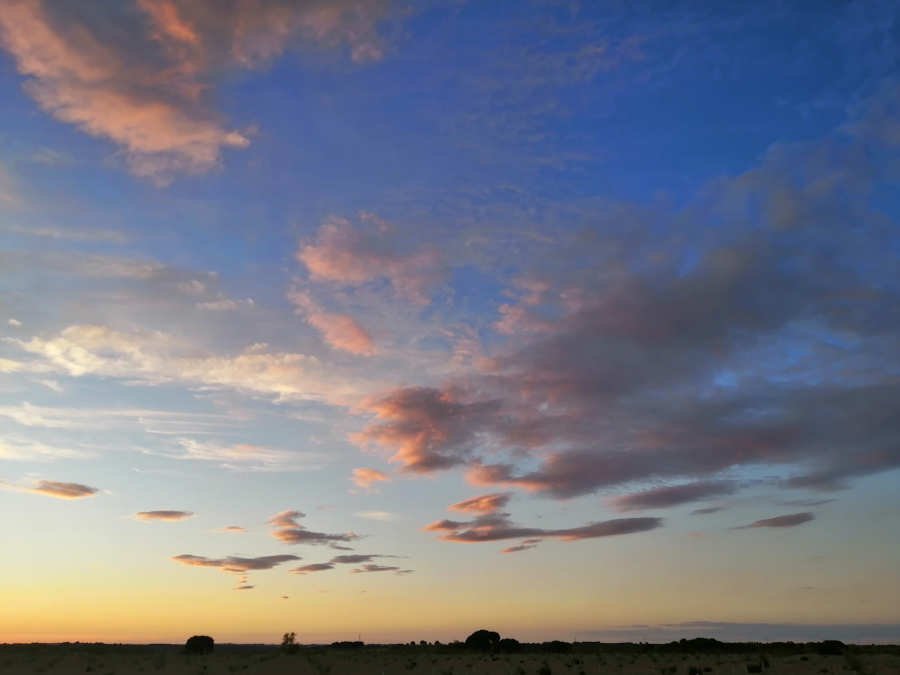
(581, 658)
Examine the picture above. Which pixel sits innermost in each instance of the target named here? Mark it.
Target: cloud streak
(789, 520)
(235, 564)
(164, 515)
(672, 495)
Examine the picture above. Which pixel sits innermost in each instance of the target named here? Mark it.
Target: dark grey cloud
(497, 526)
(706, 510)
(525, 545)
(344, 559)
(372, 567)
(313, 567)
(789, 520)
(672, 495)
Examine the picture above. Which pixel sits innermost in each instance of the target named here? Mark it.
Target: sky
(396, 320)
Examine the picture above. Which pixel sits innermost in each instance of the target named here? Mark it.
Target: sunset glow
(573, 320)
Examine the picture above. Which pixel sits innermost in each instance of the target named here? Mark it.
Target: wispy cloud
(366, 477)
(155, 357)
(384, 516)
(68, 234)
(789, 520)
(672, 495)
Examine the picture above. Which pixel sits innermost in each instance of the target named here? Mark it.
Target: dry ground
(125, 660)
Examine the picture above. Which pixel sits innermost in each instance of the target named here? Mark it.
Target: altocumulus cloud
(646, 327)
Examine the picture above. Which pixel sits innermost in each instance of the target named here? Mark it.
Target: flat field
(374, 660)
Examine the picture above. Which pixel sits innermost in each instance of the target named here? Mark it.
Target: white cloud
(154, 357)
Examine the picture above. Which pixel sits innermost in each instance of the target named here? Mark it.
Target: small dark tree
(199, 644)
(289, 643)
(483, 640)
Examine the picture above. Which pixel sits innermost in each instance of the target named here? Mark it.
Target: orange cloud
(234, 529)
(52, 488)
(482, 504)
(365, 477)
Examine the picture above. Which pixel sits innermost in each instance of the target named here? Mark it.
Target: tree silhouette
(483, 640)
(289, 643)
(199, 644)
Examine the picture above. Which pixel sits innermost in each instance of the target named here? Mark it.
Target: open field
(375, 660)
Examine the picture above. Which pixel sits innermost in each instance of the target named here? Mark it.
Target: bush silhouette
(509, 645)
(199, 644)
(831, 648)
(289, 643)
(483, 640)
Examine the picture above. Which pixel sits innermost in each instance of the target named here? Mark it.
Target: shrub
(483, 640)
(289, 643)
(199, 644)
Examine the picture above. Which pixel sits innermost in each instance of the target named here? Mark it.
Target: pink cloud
(366, 477)
(353, 256)
(145, 81)
(428, 428)
(340, 331)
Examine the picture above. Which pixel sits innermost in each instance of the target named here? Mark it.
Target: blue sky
(505, 301)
